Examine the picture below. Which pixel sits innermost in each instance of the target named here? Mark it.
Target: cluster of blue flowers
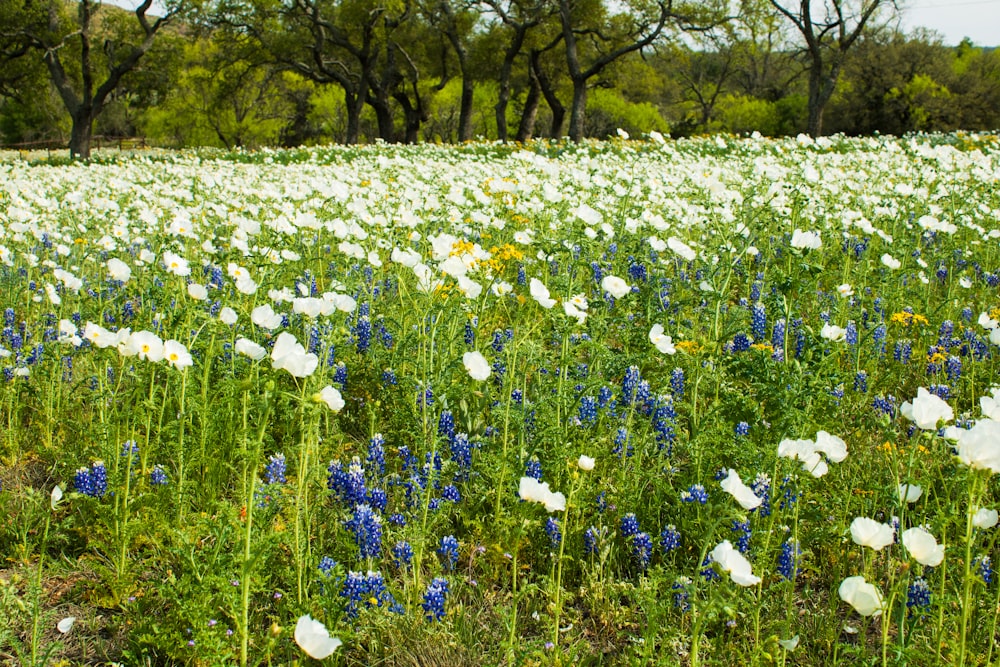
(92, 481)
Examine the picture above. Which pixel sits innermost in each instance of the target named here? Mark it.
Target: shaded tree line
(248, 73)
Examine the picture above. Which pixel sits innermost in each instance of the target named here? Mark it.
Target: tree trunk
(578, 110)
(527, 127)
(558, 110)
(383, 116)
(505, 73)
(81, 134)
(465, 110)
(355, 104)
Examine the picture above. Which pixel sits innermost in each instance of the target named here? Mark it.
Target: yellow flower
(908, 319)
(688, 346)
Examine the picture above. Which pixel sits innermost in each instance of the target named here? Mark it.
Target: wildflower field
(715, 401)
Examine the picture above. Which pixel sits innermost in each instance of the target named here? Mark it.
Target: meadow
(712, 401)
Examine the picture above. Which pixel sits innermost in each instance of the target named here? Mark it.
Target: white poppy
(313, 638)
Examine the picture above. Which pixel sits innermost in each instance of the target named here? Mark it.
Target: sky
(954, 19)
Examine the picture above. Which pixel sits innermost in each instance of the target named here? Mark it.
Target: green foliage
(608, 110)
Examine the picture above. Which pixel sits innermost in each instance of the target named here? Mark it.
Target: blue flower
(448, 550)
(434, 599)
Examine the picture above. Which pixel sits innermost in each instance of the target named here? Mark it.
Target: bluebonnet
(741, 342)
(587, 412)
(758, 321)
(761, 487)
(788, 561)
(340, 376)
(376, 453)
(642, 549)
(448, 551)
(742, 528)
(347, 484)
(903, 351)
(984, 569)
(158, 476)
(402, 554)
(326, 565)
(592, 538)
(953, 368)
(680, 586)
(451, 493)
(274, 471)
(366, 526)
(446, 424)
(98, 479)
(629, 525)
(623, 444)
(552, 530)
(388, 378)
(885, 404)
(861, 382)
(742, 430)
(851, 333)
(533, 468)
(470, 331)
(677, 383)
(434, 599)
(461, 451)
(695, 494)
(670, 539)
(918, 594)
(630, 384)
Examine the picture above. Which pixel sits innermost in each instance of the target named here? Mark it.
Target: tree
(86, 52)
(830, 28)
(518, 16)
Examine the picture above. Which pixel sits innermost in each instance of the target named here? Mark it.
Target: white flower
(990, 405)
(313, 638)
(587, 463)
(833, 333)
(987, 322)
(979, 446)
(52, 294)
(845, 290)
(909, 493)
(176, 264)
(55, 497)
(806, 240)
(622, 134)
(265, 317)
(891, 262)
(65, 625)
(540, 293)
(331, 396)
(664, 344)
(965, 282)
(248, 348)
(735, 487)
(923, 547)
(572, 310)
(681, 248)
(197, 292)
(864, 597)
(476, 365)
(927, 410)
(985, 518)
(833, 446)
(228, 316)
(119, 270)
(530, 489)
(732, 561)
(789, 644)
(144, 344)
(615, 286)
(871, 533)
(177, 355)
(289, 355)
(99, 336)
(68, 333)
